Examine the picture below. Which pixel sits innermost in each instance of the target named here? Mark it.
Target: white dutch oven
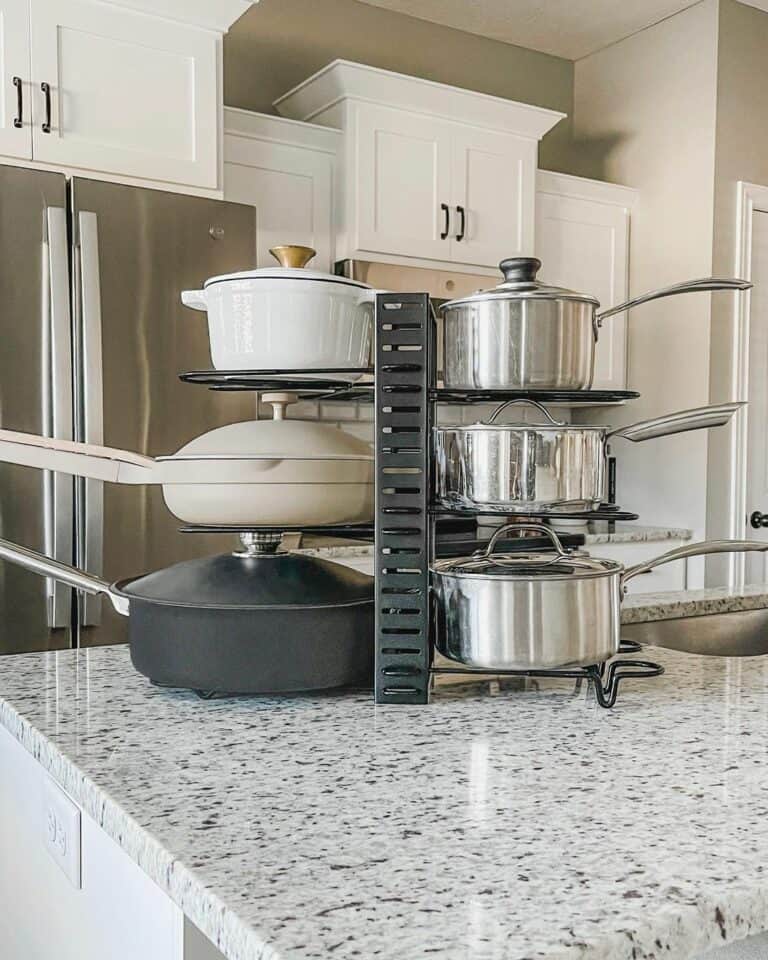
(286, 317)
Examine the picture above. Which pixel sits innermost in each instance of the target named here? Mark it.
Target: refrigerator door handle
(90, 406)
(57, 405)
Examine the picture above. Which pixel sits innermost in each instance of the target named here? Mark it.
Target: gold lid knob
(292, 255)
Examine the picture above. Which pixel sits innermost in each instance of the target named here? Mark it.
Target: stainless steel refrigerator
(93, 339)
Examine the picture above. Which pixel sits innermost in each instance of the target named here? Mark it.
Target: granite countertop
(594, 533)
(526, 825)
(645, 607)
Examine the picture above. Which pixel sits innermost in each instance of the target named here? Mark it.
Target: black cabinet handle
(462, 222)
(18, 120)
(46, 88)
(446, 221)
(758, 520)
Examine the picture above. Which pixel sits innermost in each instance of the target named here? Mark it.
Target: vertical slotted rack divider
(403, 536)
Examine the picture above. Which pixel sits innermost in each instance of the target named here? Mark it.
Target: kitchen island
(526, 824)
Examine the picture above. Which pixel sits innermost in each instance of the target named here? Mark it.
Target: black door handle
(446, 222)
(758, 520)
(46, 88)
(462, 222)
(18, 120)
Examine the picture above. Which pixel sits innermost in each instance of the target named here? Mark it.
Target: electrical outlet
(61, 829)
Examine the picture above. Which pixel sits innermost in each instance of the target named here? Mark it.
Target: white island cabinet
(68, 891)
(127, 89)
(429, 175)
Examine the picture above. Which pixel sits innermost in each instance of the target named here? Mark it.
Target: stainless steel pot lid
(520, 283)
(549, 421)
(525, 566)
(557, 564)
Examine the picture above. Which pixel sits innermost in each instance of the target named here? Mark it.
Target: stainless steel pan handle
(700, 418)
(46, 567)
(702, 548)
(689, 286)
(535, 527)
(530, 403)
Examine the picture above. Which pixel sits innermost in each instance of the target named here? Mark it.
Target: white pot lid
(279, 440)
(293, 260)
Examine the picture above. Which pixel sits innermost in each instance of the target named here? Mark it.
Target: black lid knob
(520, 269)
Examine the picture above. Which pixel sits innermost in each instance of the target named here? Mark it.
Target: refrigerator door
(36, 508)
(134, 251)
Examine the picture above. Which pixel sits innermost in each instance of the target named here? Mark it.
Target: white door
(15, 101)
(493, 191)
(403, 185)
(128, 93)
(583, 245)
(757, 411)
(291, 189)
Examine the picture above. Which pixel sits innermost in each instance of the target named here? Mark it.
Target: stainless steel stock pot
(528, 611)
(524, 334)
(543, 467)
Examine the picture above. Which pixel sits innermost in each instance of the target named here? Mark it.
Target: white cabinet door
(493, 188)
(290, 185)
(118, 912)
(15, 101)
(130, 93)
(403, 188)
(583, 245)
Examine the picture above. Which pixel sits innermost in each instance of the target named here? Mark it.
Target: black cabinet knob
(758, 520)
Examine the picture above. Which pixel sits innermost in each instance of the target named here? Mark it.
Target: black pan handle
(462, 222)
(46, 88)
(446, 221)
(18, 120)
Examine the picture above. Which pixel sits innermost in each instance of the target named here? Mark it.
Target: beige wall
(279, 43)
(645, 116)
(741, 154)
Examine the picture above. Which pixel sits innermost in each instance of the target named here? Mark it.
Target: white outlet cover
(62, 830)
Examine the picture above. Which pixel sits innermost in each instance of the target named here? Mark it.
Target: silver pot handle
(46, 567)
(700, 418)
(531, 403)
(689, 286)
(702, 548)
(535, 527)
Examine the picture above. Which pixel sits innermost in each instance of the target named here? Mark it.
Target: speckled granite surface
(523, 826)
(643, 607)
(594, 533)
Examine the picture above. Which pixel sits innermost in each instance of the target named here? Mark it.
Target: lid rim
(443, 568)
(291, 273)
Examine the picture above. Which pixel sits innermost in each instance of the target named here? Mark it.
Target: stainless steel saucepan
(543, 467)
(529, 611)
(524, 334)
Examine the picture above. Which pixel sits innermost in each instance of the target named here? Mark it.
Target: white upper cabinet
(128, 93)
(285, 170)
(494, 179)
(129, 89)
(429, 174)
(403, 206)
(15, 115)
(582, 240)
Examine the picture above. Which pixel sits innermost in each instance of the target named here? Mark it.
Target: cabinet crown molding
(344, 80)
(218, 16)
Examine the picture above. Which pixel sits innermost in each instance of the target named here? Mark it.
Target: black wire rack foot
(606, 678)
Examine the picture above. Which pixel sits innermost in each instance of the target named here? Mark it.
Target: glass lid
(520, 283)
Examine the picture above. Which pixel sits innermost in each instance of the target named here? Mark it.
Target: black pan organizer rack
(403, 385)
(406, 397)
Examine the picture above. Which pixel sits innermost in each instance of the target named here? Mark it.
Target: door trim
(751, 198)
